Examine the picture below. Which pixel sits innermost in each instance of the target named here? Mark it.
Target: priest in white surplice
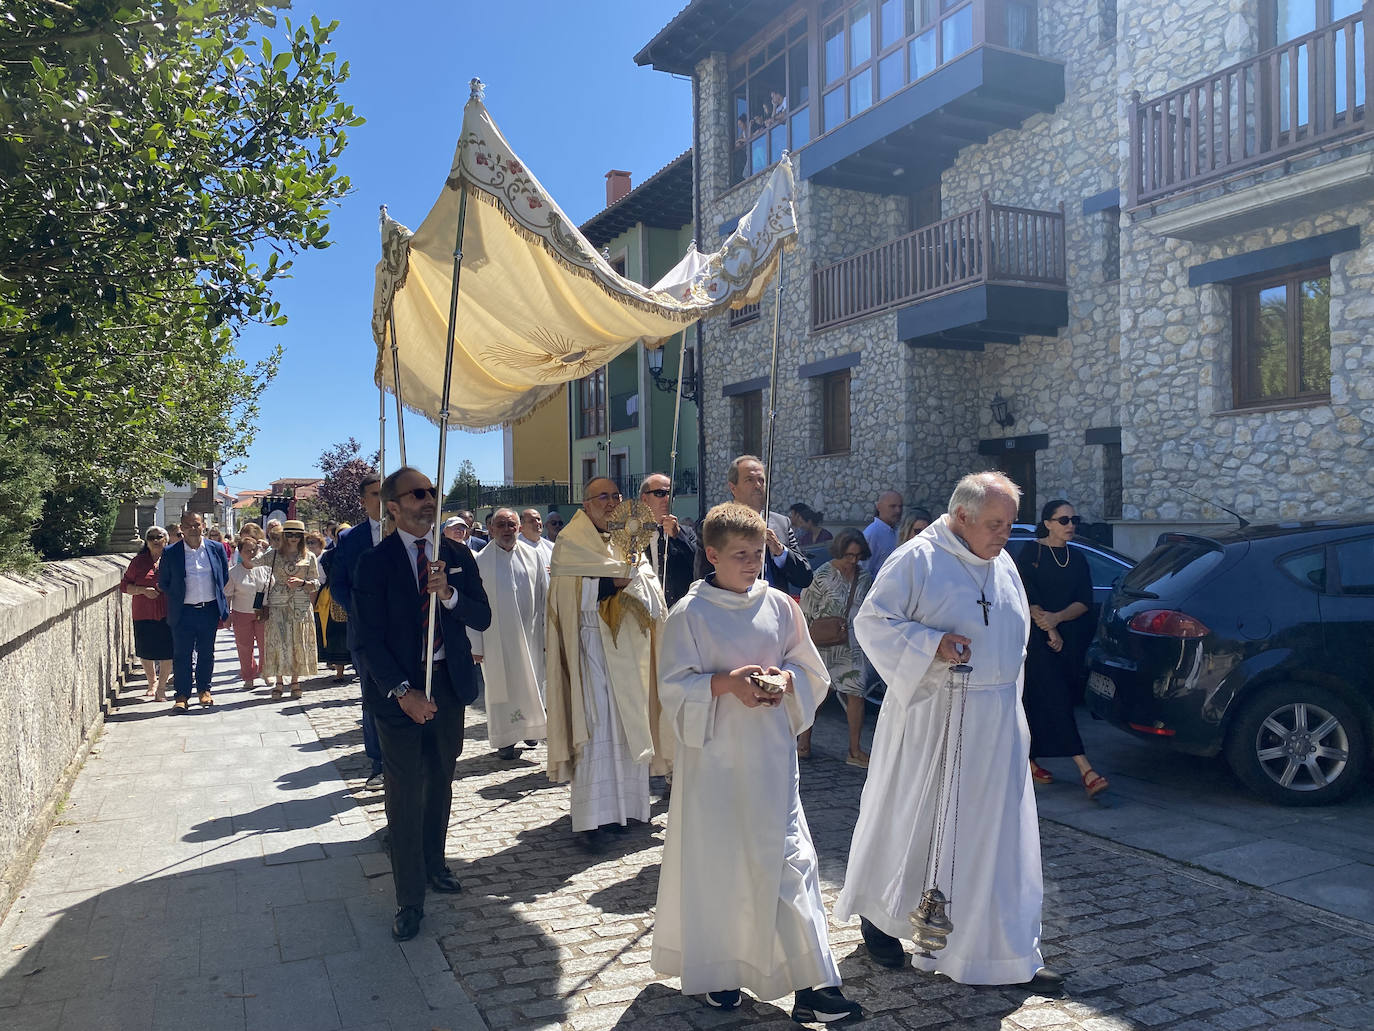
(739, 898)
(604, 620)
(511, 650)
(951, 595)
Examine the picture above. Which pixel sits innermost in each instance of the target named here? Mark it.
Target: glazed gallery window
(1282, 337)
(835, 412)
(770, 86)
(591, 404)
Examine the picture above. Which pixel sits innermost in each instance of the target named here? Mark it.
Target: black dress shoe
(884, 949)
(1046, 980)
(506, 753)
(445, 882)
(407, 923)
(529, 743)
(616, 828)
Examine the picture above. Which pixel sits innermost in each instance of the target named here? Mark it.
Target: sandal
(1041, 775)
(1094, 783)
(860, 760)
(276, 692)
(295, 690)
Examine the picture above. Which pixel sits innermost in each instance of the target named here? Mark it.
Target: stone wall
(64, 640)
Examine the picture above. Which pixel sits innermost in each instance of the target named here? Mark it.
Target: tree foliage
(160, 163)
(466, 486)
(340, 494)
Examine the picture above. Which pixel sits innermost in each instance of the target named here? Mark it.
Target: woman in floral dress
(838, 589)
(295, 577)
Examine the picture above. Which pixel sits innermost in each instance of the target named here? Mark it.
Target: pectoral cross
(983, 601)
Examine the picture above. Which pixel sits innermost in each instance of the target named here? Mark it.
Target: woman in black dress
(1059, 588)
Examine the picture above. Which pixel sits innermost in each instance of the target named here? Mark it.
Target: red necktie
(422, 570)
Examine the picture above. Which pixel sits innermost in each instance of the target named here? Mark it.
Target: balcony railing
(1294, 97)
(993, 243)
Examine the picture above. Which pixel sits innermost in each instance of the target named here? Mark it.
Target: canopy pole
(773, 391)
(381, 432)
(677, 417)
(396, 381)
(476, 87)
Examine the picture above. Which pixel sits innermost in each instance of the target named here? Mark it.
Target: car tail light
(1167, 623)
(1157, 729)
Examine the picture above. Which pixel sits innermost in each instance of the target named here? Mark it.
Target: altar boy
(739, 900)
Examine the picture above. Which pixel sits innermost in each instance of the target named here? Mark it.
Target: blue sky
(562, 85)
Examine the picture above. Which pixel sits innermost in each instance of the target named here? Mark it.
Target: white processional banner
(538, 307)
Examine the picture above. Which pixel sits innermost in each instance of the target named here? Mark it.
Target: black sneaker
(507, 753)
(883, 949)
(726, 1000)
(823, 1006)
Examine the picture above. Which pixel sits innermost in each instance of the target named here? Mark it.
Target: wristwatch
(400, 689)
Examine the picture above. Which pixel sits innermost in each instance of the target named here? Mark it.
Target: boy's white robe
(512, 648)
(739, 901)
(928, 587)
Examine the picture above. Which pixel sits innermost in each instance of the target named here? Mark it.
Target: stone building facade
(1130, 400)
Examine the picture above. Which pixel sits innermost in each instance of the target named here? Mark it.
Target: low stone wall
(65, 638)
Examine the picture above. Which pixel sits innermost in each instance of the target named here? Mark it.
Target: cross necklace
(982, 588)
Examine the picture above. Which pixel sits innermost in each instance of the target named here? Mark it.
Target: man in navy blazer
(421, 738)
(352, 545)
(192, 575)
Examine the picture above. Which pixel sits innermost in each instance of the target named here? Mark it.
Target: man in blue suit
(353, 544)
(392, 588)
(192, 575)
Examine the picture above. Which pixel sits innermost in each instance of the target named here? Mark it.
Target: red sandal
(1041, 775)
(1094, 783)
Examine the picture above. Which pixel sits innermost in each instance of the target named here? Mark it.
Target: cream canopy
(537, 305)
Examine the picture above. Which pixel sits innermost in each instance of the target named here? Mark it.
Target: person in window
(1060, 591)
(742, 146)
(778, 111)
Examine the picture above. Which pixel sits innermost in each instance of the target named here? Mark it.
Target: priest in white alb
(951, 595)
(604, 619)
(511, 650)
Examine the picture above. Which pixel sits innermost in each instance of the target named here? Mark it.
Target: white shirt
(200, 580)
(413, 553)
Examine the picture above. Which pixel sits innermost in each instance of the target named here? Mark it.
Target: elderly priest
(604, 619)
(951, 595)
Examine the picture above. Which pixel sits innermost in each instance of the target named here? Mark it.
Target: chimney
(617, 185)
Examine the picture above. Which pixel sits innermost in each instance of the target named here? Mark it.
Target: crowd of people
(704, 658)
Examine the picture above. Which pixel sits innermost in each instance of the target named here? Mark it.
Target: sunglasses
(1065, 520)
(658, 492)
(293, 533)
(603, 497)
(853, 554)
(420, 493)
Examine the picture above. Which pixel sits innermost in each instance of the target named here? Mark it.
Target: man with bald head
(604, 618)
(951, 596)
(881, 533)
(511, 650)
(531, 533)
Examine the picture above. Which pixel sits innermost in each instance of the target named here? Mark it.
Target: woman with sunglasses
(294, 579)
(152, 634)
(1060, 591)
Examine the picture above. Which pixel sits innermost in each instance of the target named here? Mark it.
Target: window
(588, 471)
(1307, 568)
(771, 86)
(1355, 566)
(749, 415)
(835, 413)
(1282, 333)
(1106, 23)
(591, 403)
(1111, 245)
(739, 316)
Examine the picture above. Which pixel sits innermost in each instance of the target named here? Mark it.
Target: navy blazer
(171, 578)
(390, 633)
(352, 545)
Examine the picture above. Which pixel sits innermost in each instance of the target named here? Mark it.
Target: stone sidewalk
(221, 870)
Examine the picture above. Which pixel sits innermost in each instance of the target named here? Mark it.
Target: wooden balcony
(1004, 264)
(1293, 99)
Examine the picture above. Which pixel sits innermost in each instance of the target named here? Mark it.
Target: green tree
(464, 490)
(160, 163)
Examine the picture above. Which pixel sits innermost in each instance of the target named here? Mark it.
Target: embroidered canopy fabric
(537, 305)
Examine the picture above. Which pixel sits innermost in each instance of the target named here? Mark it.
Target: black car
(1257, 643)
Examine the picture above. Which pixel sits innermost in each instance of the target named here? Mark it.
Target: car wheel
(1298, 744)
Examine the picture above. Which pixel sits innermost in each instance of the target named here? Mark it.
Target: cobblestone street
(224, 869)
(546, 936)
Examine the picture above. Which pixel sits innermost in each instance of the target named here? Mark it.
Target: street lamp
(667, 384)
(1001, 411)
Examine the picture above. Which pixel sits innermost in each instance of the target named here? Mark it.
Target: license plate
(1101, 685)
